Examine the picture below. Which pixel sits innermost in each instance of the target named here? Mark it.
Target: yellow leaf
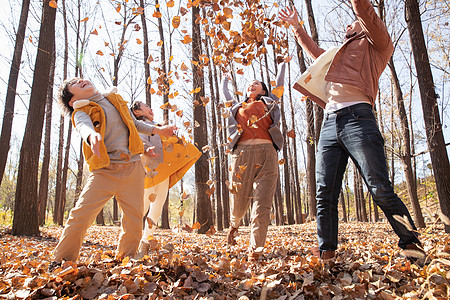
(149, 80)
(159, 43)
(171, 58)
(278, 91)
(176, 21)
(187, 39)
(53, 4)
(85, 19)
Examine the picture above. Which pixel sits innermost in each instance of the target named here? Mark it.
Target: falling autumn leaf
(281, 161)
(278, 91)
(99, 53)
(183, 67)
(94, 32)
(53, 4)
(187, 39)
(85, 19)
(138, 41)
(291, 133)
(196, 225)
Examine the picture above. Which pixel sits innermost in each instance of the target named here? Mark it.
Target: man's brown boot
(230, 236)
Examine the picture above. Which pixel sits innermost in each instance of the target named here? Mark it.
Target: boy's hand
(95, 139)
(166, 130)
(150, 153)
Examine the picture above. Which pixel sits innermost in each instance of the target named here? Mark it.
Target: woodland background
(172, 54)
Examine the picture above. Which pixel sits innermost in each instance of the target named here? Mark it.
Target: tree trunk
(203, 203)
(344, 211)
(165, 214)
(43, 182)
(62, 202)
(405, 154)
(433, 126)
(26, 220)
(215, 148)
(8, 113)
(59, 169)
(80, 164)
(148, 96)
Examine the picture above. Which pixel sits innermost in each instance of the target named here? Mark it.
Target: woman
(166, 160)
(255, 137)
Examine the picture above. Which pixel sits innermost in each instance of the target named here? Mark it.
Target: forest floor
(187, 265)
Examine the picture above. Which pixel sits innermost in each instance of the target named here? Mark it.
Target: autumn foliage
(182, 264)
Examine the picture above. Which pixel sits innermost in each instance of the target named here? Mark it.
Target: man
(347, 91)
(111, 149)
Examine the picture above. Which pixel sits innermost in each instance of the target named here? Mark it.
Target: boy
(111, 149)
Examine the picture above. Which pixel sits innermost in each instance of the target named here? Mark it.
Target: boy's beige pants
(126, 182)
(254, 178)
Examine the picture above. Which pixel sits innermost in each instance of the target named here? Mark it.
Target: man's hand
(166, 130)
(150, 153)
(289, 16)
(94, 140)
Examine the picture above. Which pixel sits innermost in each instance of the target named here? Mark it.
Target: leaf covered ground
(187, 265)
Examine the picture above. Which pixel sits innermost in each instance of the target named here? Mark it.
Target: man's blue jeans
(353, 132)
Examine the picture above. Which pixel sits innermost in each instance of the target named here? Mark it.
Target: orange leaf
(240, 72)
(183, 67)
(149, 80)
(278, 91)
(159, 43)
(149, 59)
(291, 133)
(176, 21)
(196, 225)
(157, 14)
(138, 41)
(228, 13)
(53, 4)
(187, 39)
(119, 6)
(171, 3)
(226, 25)
(152, 197)
(94, 32)
(179, 113)
(99, 53)
(85, 19)
(281, 161)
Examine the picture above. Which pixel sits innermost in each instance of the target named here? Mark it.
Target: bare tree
(12, 84)
(203, 210)
(433, 125)
(26, 221)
